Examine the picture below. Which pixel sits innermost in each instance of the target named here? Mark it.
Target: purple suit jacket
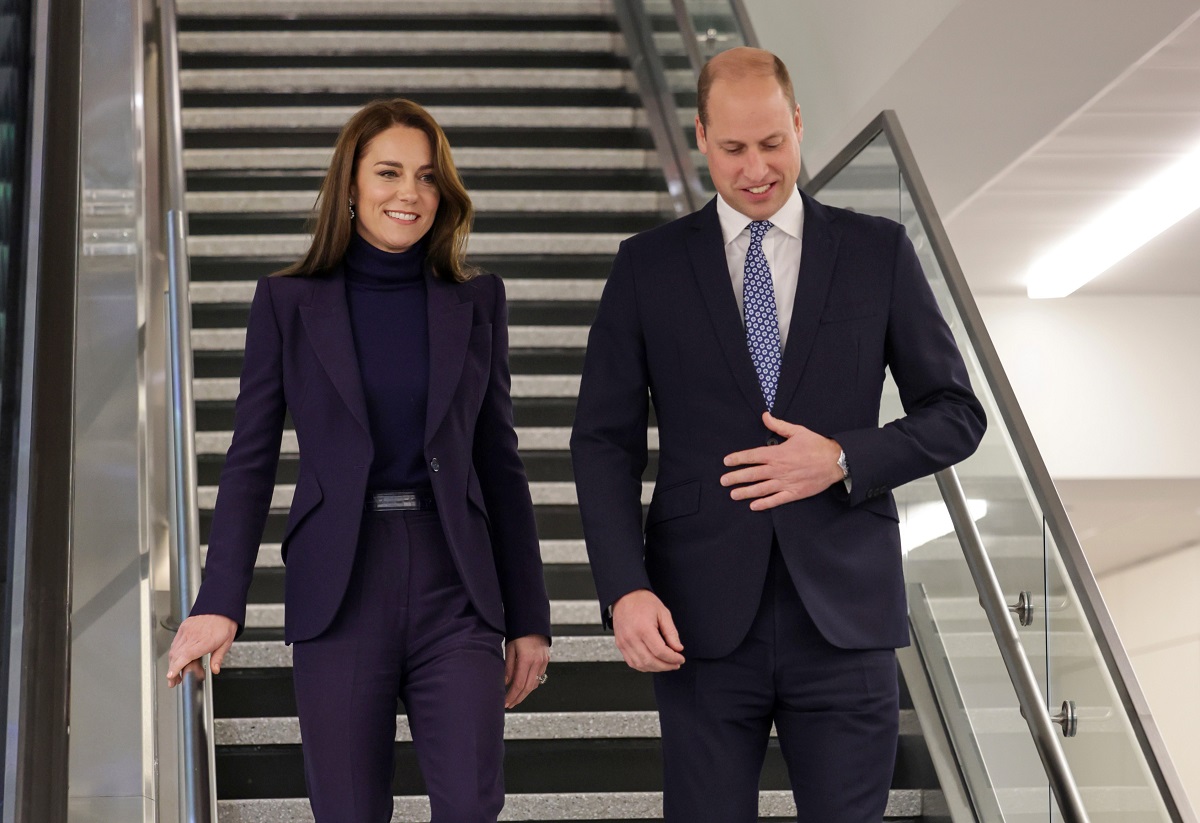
(300, 357)
(668, 330)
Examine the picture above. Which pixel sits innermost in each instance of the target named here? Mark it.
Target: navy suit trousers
(406, 629)
(836, 712)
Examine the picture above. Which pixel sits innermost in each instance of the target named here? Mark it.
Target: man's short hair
(738, 63)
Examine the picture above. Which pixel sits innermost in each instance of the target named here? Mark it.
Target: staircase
(540, 106)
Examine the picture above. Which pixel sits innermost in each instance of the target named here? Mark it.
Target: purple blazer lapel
(326, 319)
(706, 249)
(449, 334)
(817, 257)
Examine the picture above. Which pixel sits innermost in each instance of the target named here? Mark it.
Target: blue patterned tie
(762, 321)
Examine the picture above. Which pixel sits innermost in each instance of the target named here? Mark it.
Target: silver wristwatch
(841, 462)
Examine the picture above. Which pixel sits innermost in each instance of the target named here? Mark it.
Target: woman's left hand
(525, 660)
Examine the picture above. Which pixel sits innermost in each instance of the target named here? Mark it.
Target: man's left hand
(525, 660)
(803, 464)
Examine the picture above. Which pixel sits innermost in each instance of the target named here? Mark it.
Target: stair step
(465, 158)
(225, 118)
(543, 289)
(562, 613)
(270, 654)
(277, 731)
(582, 806)
(523, 385)
(519, 337)
(291, 9)
(292, 246)
(387, 81)
(546, 493)
(502, 200)
(554, 552)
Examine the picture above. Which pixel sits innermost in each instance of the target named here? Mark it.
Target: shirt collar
(789, 219)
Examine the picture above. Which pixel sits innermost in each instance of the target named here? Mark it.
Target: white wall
(1157, 614)
(1108, 384)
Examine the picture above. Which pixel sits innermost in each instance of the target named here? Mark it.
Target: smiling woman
(413, 564)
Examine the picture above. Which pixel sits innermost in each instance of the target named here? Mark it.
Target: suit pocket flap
(674, 501)
(307, 497)
(883, 505)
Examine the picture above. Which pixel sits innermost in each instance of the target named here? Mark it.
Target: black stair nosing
(521, 361)
(531, 766)
(533, 222)
(528, 413)
(404, 57)
(404, 23)
(520, 313)
(554, 522)
(536, 266)
(476, 180)
(433, 98)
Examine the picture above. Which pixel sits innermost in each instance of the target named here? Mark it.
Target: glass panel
(1003, 771)
(1104, 755)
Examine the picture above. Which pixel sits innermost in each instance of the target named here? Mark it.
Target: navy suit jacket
(668, 330)
(300, 358)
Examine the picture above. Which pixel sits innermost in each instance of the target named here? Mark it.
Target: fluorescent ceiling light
(1133, 221)
(922, 523)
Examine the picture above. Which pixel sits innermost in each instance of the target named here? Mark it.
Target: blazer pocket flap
(307, 497)
(674, 501)
(839, 312)
(883, 505)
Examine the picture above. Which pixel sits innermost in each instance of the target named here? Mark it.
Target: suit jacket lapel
(449, 334)
(817, 256)
(706, 248)
(326, 319)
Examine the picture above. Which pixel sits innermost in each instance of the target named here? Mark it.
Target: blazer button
(434, 464)
(772, 441)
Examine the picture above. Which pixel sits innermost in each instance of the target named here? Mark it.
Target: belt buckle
(395, 500)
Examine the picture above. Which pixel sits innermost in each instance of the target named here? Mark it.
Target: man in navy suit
(766, 584)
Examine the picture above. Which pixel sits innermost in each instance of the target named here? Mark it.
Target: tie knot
(759, 229)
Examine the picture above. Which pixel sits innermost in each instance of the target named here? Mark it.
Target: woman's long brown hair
(446, 244)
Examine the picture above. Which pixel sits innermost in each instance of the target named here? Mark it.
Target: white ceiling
(1140, 124)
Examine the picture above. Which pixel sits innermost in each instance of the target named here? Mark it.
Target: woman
(410, 546)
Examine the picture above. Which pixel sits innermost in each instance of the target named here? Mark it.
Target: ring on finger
(542, 678)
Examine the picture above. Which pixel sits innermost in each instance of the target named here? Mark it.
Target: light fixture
(922, 523)
(1134, 220)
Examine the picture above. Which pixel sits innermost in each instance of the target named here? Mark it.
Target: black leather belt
(412, 500)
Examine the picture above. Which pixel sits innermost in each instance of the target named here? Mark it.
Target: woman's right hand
(199, 635)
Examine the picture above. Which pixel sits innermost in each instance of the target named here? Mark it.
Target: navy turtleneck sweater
(386, 295)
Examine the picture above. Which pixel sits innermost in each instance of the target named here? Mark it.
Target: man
(766, 586)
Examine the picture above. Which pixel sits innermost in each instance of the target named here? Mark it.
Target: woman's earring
(351, 209)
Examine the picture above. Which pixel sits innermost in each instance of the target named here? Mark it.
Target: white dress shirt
(781, 245)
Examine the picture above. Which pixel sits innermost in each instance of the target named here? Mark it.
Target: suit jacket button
(772, 441)
(434, 464)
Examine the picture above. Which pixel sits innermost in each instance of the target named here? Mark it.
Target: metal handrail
(1042, 486)
(1012, 651)
(197, 755)
(674, 153)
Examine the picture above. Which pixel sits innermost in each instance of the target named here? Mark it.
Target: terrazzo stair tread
(578, 807)
(488, 201)
(390, 9)
(288, 247)
(527, 412)
(523, 385)
(465, 158)
(568, 649)
(529, 438)
(562, 612)
(382, 80)
(517, 290)
(553, 493)
(532, 362)
(519, 725)
(559, 552)
(423, 43)
(519, 337)
(547, 267)
(332, 118)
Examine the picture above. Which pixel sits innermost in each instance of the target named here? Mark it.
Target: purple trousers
(405, 629)
(836, 712)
